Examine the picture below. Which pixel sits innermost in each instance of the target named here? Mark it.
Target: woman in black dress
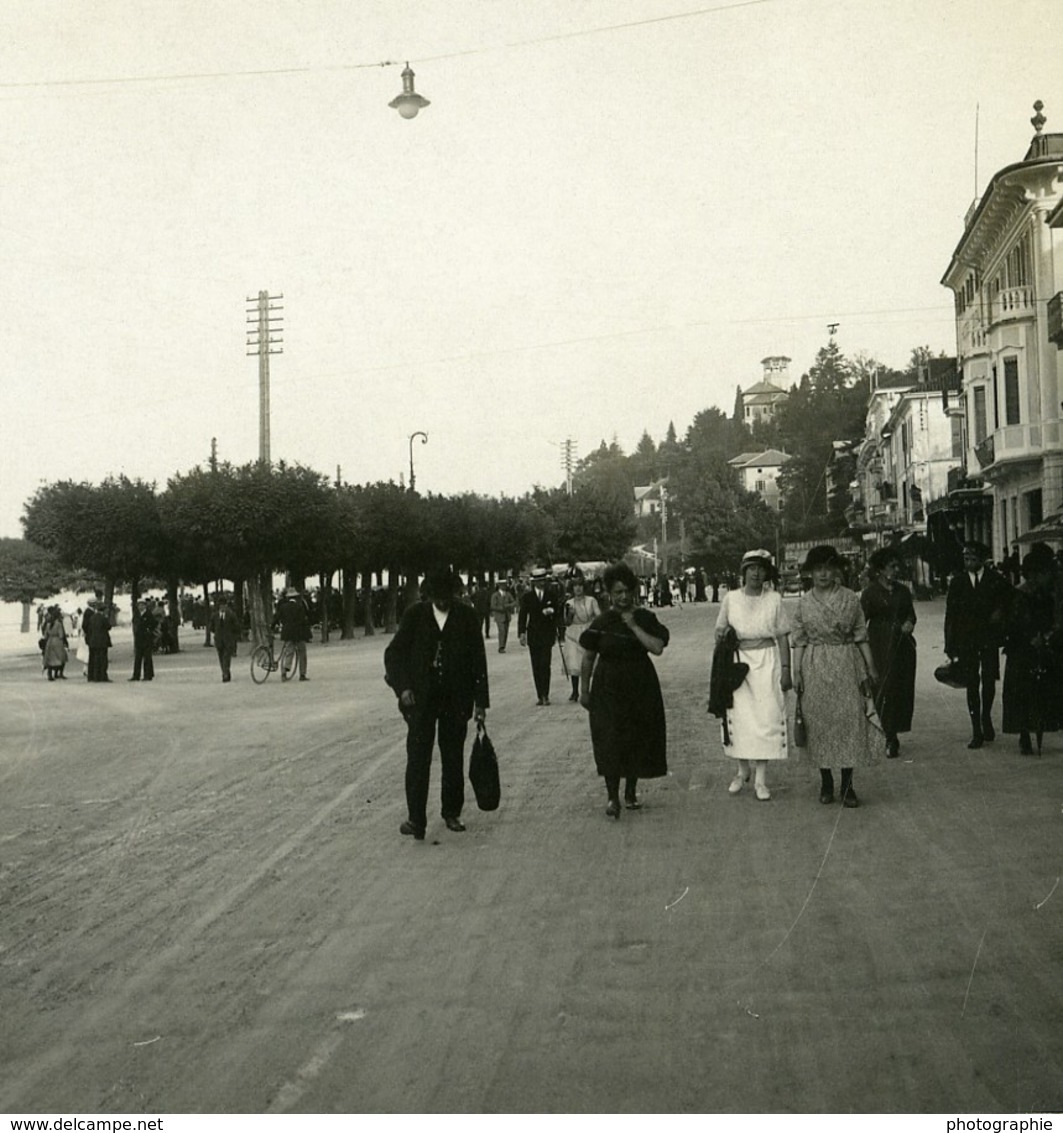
(890, 617)
(619, 687)
(1031, 678)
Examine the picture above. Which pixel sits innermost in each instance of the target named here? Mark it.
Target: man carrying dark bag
(437, 667)
(975, 610)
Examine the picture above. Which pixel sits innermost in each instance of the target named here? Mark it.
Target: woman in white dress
(756, 724)
(580, 610)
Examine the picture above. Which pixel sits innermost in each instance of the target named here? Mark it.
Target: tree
(591, 524)
(29, 574)
(113, 529)
(828, 405)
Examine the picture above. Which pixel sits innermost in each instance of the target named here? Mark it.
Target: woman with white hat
(755, 731)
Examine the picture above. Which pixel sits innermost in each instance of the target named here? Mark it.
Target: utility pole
(664, 529)
(568, 459)
(264, 339)
(214, 454)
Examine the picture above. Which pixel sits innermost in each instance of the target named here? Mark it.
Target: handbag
(483, 770)
(800, 728)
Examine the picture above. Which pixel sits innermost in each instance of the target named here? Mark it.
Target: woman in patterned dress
(755, 731)
(832, 660)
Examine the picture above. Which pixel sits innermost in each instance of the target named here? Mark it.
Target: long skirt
(756, 724)
(841, 733)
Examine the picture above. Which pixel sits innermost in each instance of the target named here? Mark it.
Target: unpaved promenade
(205, 905)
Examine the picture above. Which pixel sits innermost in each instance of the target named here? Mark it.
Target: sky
(611, 211)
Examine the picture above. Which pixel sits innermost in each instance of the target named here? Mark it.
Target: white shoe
(762, 792)
(736, 784)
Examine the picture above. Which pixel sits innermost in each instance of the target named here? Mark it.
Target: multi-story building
(761, 402)
(759, 472)
(1005, 274)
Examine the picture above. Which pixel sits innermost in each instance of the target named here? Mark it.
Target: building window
(1004, 522)
(957, 437)
(1034, 508)
(978, 398)
(996, 402)
(1011, 391)
(761, 485)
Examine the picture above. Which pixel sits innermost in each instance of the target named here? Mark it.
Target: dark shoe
(414, 831)
(574, 696)
(893, 748)
(546, 700)
(135, 678)
(826, 787)
(613, 808)
(849, 799)
(988, 734)
(1025, 744)
(454, 824)
(540, 702)
(632, 802)
(976, 742)
(304, 678)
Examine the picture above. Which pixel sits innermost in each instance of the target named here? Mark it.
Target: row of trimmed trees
(243, 524)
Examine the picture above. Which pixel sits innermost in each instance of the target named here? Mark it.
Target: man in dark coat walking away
(436, 665)
(975, 609)
(226, 635)
(144, 626)
(538, 621)
(96, 629)
(293, 618)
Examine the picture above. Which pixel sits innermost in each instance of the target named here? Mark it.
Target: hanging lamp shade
(409, 102)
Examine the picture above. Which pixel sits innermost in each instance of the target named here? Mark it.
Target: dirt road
(205, 906)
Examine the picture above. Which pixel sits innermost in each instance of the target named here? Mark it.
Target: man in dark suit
(975, 610)
(437, 667)
(538, 620)
(292, 617)
(144, 626)
(226, 635)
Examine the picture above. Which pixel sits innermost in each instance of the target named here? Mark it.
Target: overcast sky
(611, 211)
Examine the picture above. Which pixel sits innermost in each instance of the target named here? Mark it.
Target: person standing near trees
(293, 619)
(502, 606)
(144, 626)
(226, 635)
(96, 630)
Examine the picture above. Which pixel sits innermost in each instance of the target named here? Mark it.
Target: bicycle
(264, 662)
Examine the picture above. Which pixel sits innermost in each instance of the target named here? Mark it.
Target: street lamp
(424, 441)
(409, 102)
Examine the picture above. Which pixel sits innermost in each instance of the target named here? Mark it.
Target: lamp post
(424, 441)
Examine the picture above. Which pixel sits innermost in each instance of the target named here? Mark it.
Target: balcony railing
(972, 334)
(1013, 303)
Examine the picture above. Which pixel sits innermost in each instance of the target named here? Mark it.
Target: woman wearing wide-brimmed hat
(890, 614)
(832, 660)
(754, 729)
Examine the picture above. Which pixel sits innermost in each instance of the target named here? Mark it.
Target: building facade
(1004, 274)
(761, 402)
(759, 472)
